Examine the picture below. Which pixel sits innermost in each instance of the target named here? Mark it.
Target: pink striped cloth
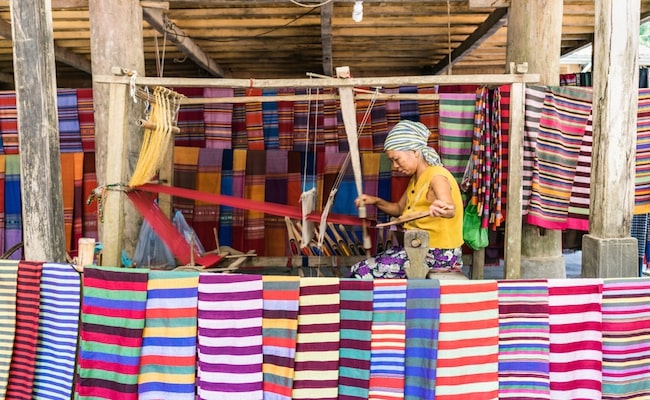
(218, 119)
(230, 336)
(575, 325)
(578, 212)
(533, 111)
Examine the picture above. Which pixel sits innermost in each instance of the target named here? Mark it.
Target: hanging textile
(85, 110)
(469, 334)
(562, 126)
(301, 121)
(285, 120)
(422, 323)
(9, 122)
(218, 119)
(225, 212)
(275, 192)
(2, 203)
(429, 114)
(379, 125)
(370, 166)
(208, 180)
(239, 190)
(8, 286)
(575, 320)
(356, 324)
(642, 165)
(456, 128)
(578, 211)
(330, 124)
(316, 373)
(13, 205)
(58, 330)
(388, 349)
(68, 189)
(270, 121)
(384, 184)
(533, 103)
(191, 119)
(364, 130)
(239, 131)
(186, 161)
(112, 320)
(78, 200)
(279, 329)
(230, 336)
(523, 340)
(20, 384)
(505, 135)
(70, 140)
(168, 357)
(625, 305)
(393, 113)
(409, 108)
(255, 183)
(254, 121)
(89, 210)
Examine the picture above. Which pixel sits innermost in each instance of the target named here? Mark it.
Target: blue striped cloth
(422, 322)
(270, 120)
(58, 329)
(8, 284)
(69, 128)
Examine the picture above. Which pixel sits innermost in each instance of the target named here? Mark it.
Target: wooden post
(40, 159)
(86, 253)
(116, 41)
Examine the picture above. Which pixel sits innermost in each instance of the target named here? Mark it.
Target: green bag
(475, 236)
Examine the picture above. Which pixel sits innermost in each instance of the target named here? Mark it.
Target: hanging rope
(449, 36)
(158, 135)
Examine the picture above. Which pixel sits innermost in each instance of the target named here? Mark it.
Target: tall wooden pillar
(116, 41)
(40, 158)
(534, 36)
(608, 249)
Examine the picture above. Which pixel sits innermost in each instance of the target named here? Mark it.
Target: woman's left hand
(441, 209)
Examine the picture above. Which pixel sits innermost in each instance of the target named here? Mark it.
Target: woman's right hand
(365, 199)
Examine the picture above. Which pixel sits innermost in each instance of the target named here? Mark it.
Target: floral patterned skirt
(391, 263)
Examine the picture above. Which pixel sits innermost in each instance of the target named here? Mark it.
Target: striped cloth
(2, 203)
(562, 126)
(254, 121)
(168, 358)
(275, 189)
(239, 163)
(388, 347)
(523, 340)
(217, 118)
(301, 120)
(13, 205)
(208, 180)
(384, 184)
(225, 212)
(317, 343)
(191, 119)
(642, 166)
(112, 320)
(505, 132)
(58, 331)
(468, 342)
(370, 164)
(356, 325)
(455, 130)
(364, 130)
(422, 323)
(379, 121)
(575, 321)
(279, 329)
(409, 108)
(626, 327)
(186, 161)
(89, 183)
(8, 284)
(429, 111)
(330, 126)
(78, 200)
(69, 130)
(578, 211)
(67, 186)
(230, 337)
(255, 188)
(270, 121)
(86, 113)
(285, 119)
(533, 110)
(239, 128)
(23, 360)
(9, 122)
(393, 114)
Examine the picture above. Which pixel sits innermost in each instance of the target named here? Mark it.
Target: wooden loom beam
(120, 82)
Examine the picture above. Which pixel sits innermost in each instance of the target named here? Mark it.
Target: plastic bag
(475, 236)
(188, 233)
(151, 251)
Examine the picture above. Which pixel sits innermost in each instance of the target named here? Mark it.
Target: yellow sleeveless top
(444, 233)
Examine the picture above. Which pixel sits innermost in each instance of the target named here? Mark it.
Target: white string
(311, 5)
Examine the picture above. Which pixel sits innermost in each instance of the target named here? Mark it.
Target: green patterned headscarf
(410, 135)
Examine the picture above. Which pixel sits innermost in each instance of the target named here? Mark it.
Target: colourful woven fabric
(388, 339)
(239, 162)
(625, 307)
(8, 285)
(285, 120)
(168, 358)
(67, 186)
(279, 329)
(2, 203)
(468, 342)
(533, 110)
(85, 110)
(409, 108)
(58, 330)
(254, 121)
(255, 183)
(429, 111)
(270, 121)
(575, 338)
(422, 322)
(20, 384)
(230, 337)
(13, 205)
(578, 211)
(562, 126)
(505, 132)
(186, 161)
(225, 213)
(356, 325)
(69, 131)
(112, 320)
(78, 199)
(379, 121)
(456, 129)
(9, 122)
(317, 343)
(89, 208)
(191, 119)
(642, 166)
(523, 340)
(239, 129)
(275, 192)
(218, 118)
(208, 180)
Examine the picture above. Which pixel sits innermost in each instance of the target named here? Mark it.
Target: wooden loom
(119, 98)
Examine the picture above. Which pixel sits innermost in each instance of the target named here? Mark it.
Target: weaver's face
(404, 161)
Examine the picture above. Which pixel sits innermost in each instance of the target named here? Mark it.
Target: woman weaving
(432, 188)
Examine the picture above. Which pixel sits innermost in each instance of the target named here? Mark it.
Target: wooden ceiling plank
(326, 37)
(156, 18)
(492, 23)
